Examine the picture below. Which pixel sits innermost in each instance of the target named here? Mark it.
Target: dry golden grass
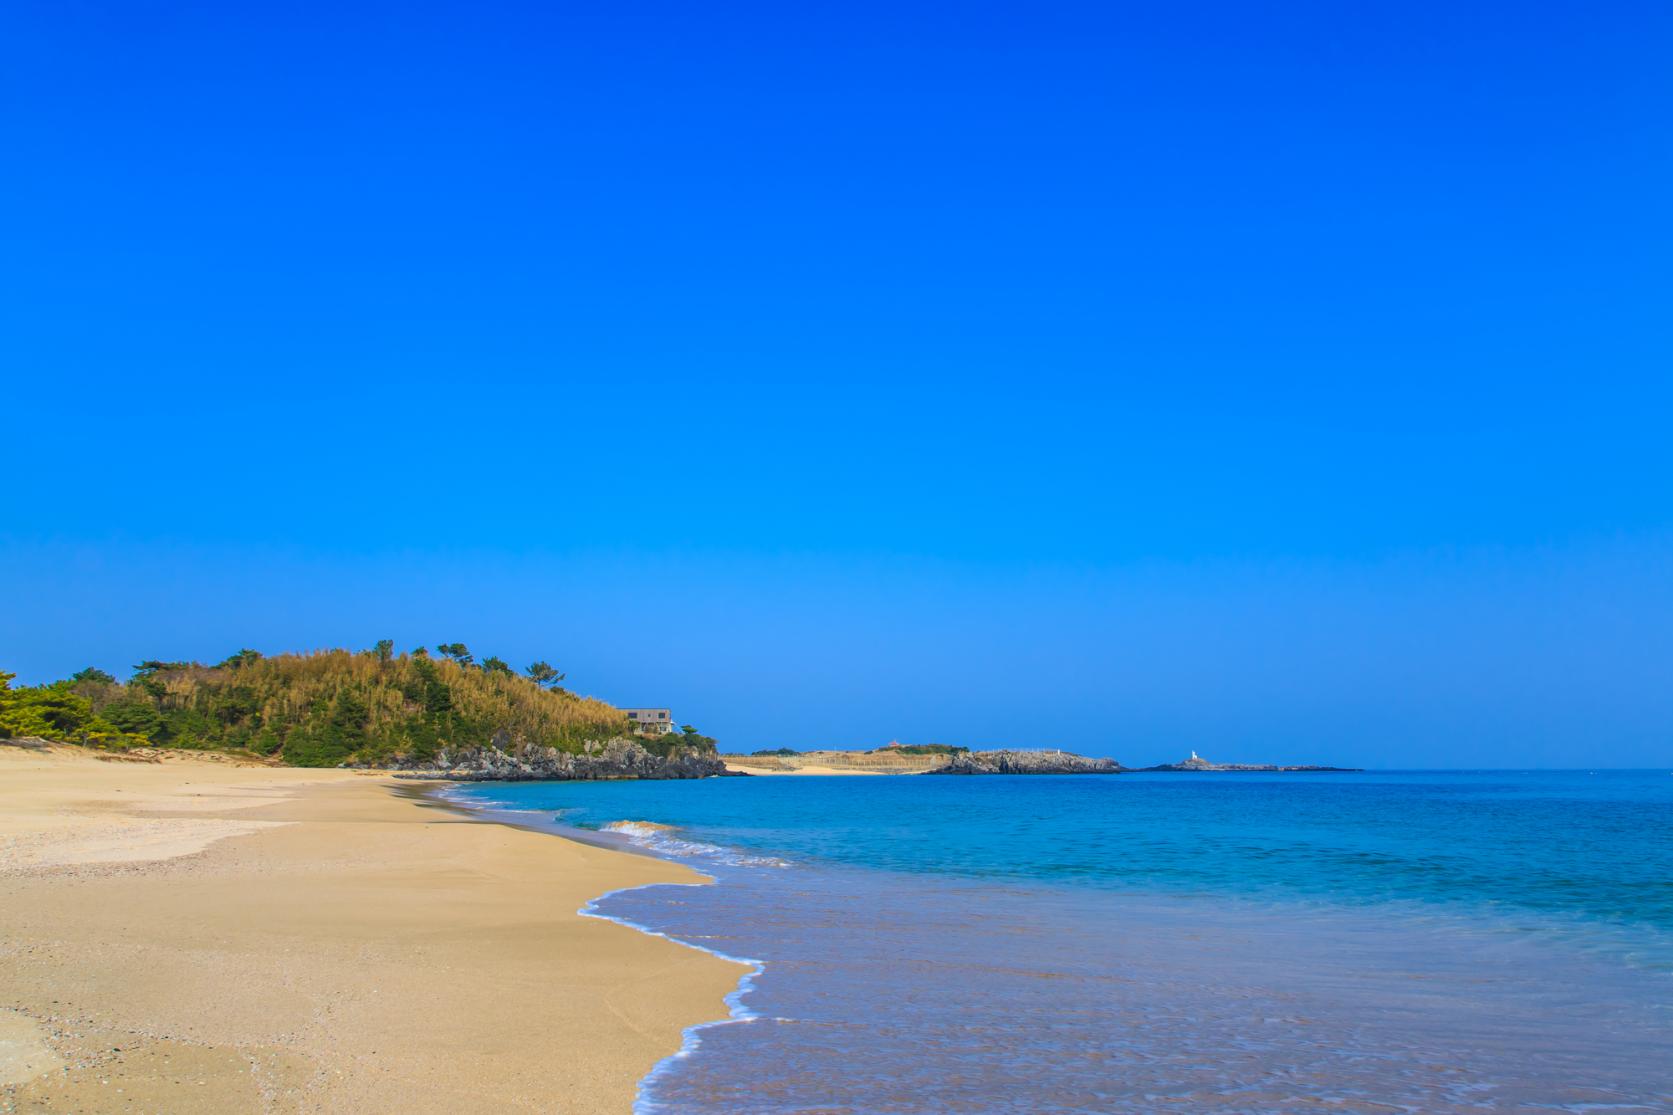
(325, 706)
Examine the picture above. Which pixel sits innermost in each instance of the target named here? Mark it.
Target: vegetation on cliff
(322, 708)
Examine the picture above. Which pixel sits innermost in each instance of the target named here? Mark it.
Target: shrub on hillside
(321, 708)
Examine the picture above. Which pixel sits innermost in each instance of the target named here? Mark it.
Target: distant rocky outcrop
(504, 761)
(1198, 763)
(1026, 762)
(881, 761)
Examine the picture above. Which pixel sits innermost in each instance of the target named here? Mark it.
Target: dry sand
(773, 772)
(194, 935)
(829, 761)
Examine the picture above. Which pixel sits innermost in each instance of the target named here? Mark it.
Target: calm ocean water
(1458, 941)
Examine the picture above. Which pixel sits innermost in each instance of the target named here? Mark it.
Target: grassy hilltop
(320, 708)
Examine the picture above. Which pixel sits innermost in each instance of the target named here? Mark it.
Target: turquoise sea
(1403, 941)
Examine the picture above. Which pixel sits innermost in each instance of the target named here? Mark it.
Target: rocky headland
(1026, 762)
(505, 761)
(929, 759)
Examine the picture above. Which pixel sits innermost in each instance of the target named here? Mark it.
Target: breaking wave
(662, 839)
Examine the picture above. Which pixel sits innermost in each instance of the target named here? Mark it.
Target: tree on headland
(54, 711)
(691, 737)
(456, 651)
(7, 728)
(94, 684)
(157, 666)
(146, 674)
(494, 664)
(544, 673)
(384, 650)
(243, 658)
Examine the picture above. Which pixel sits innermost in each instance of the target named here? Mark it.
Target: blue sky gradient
(1131, 378)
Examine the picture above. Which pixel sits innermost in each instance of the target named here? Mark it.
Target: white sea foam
(736, 1012)
(456, 795)
(658, 838)
(663, 840)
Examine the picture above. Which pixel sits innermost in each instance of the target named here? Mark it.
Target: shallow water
(1422, 942)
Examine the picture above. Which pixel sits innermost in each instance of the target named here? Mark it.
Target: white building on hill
(652, 721)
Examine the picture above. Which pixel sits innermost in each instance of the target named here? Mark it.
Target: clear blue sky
(1279, 381)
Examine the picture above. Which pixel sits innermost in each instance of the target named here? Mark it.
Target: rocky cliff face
(1026, 762)
(503, 761)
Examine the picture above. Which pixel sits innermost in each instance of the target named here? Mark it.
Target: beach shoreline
(197, 934)
(811, 771)
(1016, 943)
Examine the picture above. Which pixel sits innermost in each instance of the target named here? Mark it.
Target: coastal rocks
(1198, 763)
(503, 761)
(1026, 762)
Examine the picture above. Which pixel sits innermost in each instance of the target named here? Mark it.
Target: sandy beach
(887, 760)
(812, 769)
(195, 935)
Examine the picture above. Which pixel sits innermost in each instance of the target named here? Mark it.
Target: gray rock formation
(1026, 762)
(1198, 763)
(503, 761)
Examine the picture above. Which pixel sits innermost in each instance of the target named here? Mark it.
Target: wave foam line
(457, 796)
(659, 838)
(692, 1036)
(736, 1012)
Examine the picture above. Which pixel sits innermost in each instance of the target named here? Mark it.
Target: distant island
(1197, 763)
(940, 758)
(930, 758)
